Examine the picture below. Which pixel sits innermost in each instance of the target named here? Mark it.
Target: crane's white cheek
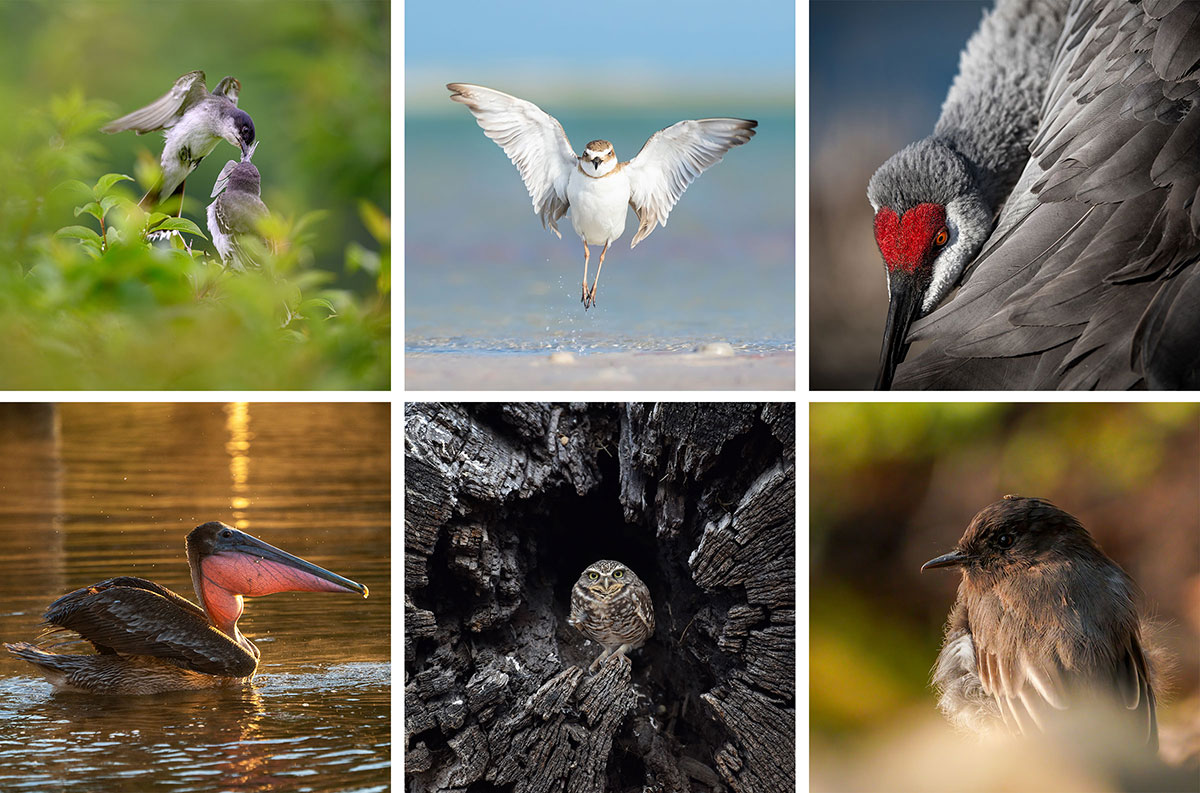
(969, 224)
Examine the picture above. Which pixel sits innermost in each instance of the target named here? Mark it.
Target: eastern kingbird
(237, 210)
(1045, 625)
(194, 122)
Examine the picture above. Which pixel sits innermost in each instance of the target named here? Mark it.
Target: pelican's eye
(227, 534)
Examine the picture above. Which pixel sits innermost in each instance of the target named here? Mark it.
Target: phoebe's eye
(619, 574)
(942, 238)
(1006, 540)
(592, 574)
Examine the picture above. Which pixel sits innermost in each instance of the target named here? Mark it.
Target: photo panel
(606, 590)
(202, 589)
(1004, 596)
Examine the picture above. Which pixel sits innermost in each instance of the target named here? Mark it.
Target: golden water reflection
(91, 491)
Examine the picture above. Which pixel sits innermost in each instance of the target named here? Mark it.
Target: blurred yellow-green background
(315, 79)
(894, 485)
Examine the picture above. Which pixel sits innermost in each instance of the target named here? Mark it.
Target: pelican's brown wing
(132, 616)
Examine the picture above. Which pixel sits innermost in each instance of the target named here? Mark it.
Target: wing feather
(672, 159)
(163, 112)
(132, 616)
(1074, 289)
(532, 139)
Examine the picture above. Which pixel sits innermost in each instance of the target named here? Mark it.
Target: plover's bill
(595, 186)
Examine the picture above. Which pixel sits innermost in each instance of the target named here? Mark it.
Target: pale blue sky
(743, 46)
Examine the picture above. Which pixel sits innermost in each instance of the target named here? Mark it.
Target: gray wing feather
(1074, 290)
(223, 178)
(166, 110)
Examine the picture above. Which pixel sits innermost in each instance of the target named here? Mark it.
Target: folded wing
(132, 616)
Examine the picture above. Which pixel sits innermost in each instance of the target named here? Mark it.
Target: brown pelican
(149, 639)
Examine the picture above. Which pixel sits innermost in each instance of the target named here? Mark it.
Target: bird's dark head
(244, 177)
(1017, 534)
(240, 130)
(930, 222)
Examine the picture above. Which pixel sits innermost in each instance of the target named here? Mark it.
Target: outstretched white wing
(532, 139)
(672, 158)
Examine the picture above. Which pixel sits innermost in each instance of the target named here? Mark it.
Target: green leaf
(316, 302)
(75, 188)
(77, 233)
(376, 222)
(108, 202)
(179, 224)
(106, 182)
(92, 209)
(358, 257)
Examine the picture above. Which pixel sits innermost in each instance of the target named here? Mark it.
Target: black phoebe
(1044, 623)
(194, 122)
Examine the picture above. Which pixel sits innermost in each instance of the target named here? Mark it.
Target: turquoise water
(482, 276)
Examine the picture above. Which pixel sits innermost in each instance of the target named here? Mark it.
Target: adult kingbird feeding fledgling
(194, 121)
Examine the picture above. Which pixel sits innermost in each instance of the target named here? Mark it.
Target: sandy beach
(675, 371)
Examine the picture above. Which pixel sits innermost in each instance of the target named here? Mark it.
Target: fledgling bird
(1044, 624)
(238, 210)
(611, 605)
(594, 185)
(194, 122)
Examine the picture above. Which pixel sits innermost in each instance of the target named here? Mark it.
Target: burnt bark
(505, 505)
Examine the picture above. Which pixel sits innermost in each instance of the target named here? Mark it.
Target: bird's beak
(245, 149)
(904, 304)
(952, 559)
(596, 163)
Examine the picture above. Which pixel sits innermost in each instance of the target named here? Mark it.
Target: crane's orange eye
(942, 238)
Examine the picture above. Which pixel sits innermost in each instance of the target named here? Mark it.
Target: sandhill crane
(1058, 190)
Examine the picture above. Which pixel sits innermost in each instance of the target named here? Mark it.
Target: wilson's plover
(594, 185)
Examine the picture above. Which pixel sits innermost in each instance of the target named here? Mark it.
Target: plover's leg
(586, 255)
(592, 297)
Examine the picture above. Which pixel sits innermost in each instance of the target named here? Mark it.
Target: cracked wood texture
(506, 504)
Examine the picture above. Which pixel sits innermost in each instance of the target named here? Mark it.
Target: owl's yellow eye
(619, 574)
(592, 574)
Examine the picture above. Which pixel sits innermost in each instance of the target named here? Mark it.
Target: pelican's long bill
(246, 565)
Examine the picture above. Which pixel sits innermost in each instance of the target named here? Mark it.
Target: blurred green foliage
(1040, 446)
(86, 303)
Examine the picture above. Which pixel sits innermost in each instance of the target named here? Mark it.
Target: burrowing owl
(611, 605)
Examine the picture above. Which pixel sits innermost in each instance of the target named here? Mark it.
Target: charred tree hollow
(507, 504)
